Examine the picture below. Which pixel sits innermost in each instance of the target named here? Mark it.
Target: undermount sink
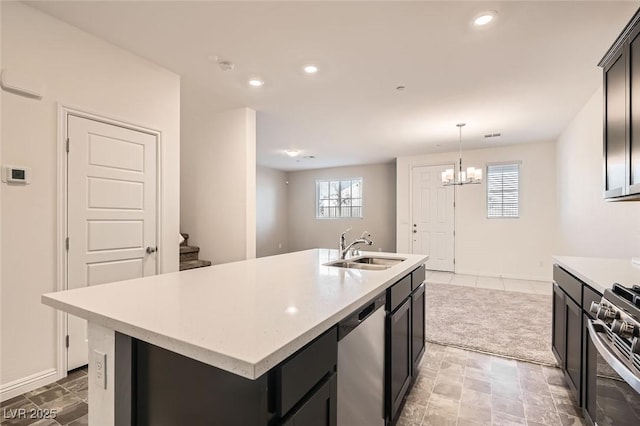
(372, 260)
(369, 263)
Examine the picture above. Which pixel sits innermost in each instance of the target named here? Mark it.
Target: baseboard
(27, 384)
(508, 276)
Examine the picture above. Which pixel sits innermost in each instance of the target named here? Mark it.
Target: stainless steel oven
(612, 367)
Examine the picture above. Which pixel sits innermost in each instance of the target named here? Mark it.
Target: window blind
(503, 190)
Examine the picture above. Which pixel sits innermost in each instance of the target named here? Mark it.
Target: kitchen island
(242, 318)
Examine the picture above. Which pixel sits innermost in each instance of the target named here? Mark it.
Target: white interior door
(111, 212)
(432, 215)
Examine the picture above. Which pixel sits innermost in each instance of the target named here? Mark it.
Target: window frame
(317, 199)
(517, 163)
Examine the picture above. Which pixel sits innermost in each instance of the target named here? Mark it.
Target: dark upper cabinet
(621, 127)
(634, 93)
(615, 124)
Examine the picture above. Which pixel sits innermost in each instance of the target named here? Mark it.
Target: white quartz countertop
(243, 317)
(600, 273)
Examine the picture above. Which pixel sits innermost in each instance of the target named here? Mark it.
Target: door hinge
(66, 340)
(66, 243)
(454, 260)
(454, 232)
(67, 145)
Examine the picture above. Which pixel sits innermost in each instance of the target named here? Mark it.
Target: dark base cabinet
(319, 409)
(559, 324)
(398, 359)
(589, 372)
(404, 340)
(418, 322)
(570, 344)
(158, 387)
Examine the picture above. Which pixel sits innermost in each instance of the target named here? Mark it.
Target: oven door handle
(595, 328)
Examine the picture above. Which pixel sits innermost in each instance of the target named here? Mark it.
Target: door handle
(152, 249)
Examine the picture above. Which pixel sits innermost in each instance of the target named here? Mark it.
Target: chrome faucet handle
(345, 232)
(365, 234)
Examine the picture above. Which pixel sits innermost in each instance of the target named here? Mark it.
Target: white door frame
(64, 111)
(409, 231)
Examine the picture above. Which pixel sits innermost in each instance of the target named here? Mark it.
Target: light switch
(100, 368)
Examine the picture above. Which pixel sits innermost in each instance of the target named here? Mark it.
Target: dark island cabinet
(572, 299)
(418, 305)
(398, 359)
(405, 339)
(159, 387)
(621, 126)
(319, 409)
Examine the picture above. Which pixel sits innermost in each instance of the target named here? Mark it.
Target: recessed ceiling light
(485, 18)
(256, 82)
(310, 69)
(292, 152)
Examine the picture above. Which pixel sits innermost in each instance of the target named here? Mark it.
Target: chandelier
(471, 176)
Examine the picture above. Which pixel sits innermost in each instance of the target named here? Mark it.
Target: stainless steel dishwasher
(361, 366)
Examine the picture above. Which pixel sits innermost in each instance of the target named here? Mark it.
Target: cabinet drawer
(398, 292)
(320, 409)
(568, 283)
(589, 295)
(303, 370)
(417, 277)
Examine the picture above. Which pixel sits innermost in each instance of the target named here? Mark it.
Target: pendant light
(471, 176)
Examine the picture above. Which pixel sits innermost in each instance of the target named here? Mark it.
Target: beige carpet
(507, 323)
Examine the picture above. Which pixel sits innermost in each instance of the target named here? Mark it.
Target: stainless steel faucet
(344, 249)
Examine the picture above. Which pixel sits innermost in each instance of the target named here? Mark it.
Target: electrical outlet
(279, 245)
(100, 368)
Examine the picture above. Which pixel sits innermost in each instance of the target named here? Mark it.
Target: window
(503, 190)
(338, 198)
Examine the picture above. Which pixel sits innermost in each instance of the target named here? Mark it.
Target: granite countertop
(243, 317)
(600, 273)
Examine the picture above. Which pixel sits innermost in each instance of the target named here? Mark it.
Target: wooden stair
(189, 255)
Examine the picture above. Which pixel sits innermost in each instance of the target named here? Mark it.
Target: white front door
(111, 212)
(432, 215)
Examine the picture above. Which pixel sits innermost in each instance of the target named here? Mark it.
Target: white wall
(271, 212)
(511, 248)
(78, 70)
(305, 231)
(218, 178)
(587, 224)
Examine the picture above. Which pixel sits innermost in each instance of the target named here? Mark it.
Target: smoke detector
(226, 65)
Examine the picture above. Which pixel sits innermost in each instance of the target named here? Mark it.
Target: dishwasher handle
(350, 323)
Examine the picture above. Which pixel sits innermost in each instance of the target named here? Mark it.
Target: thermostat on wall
(16, 174)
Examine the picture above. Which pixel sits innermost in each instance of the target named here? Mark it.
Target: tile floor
(463, 388)
(67, 396)
(494, 283)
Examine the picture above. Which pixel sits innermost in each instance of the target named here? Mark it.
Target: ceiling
(526, 75)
